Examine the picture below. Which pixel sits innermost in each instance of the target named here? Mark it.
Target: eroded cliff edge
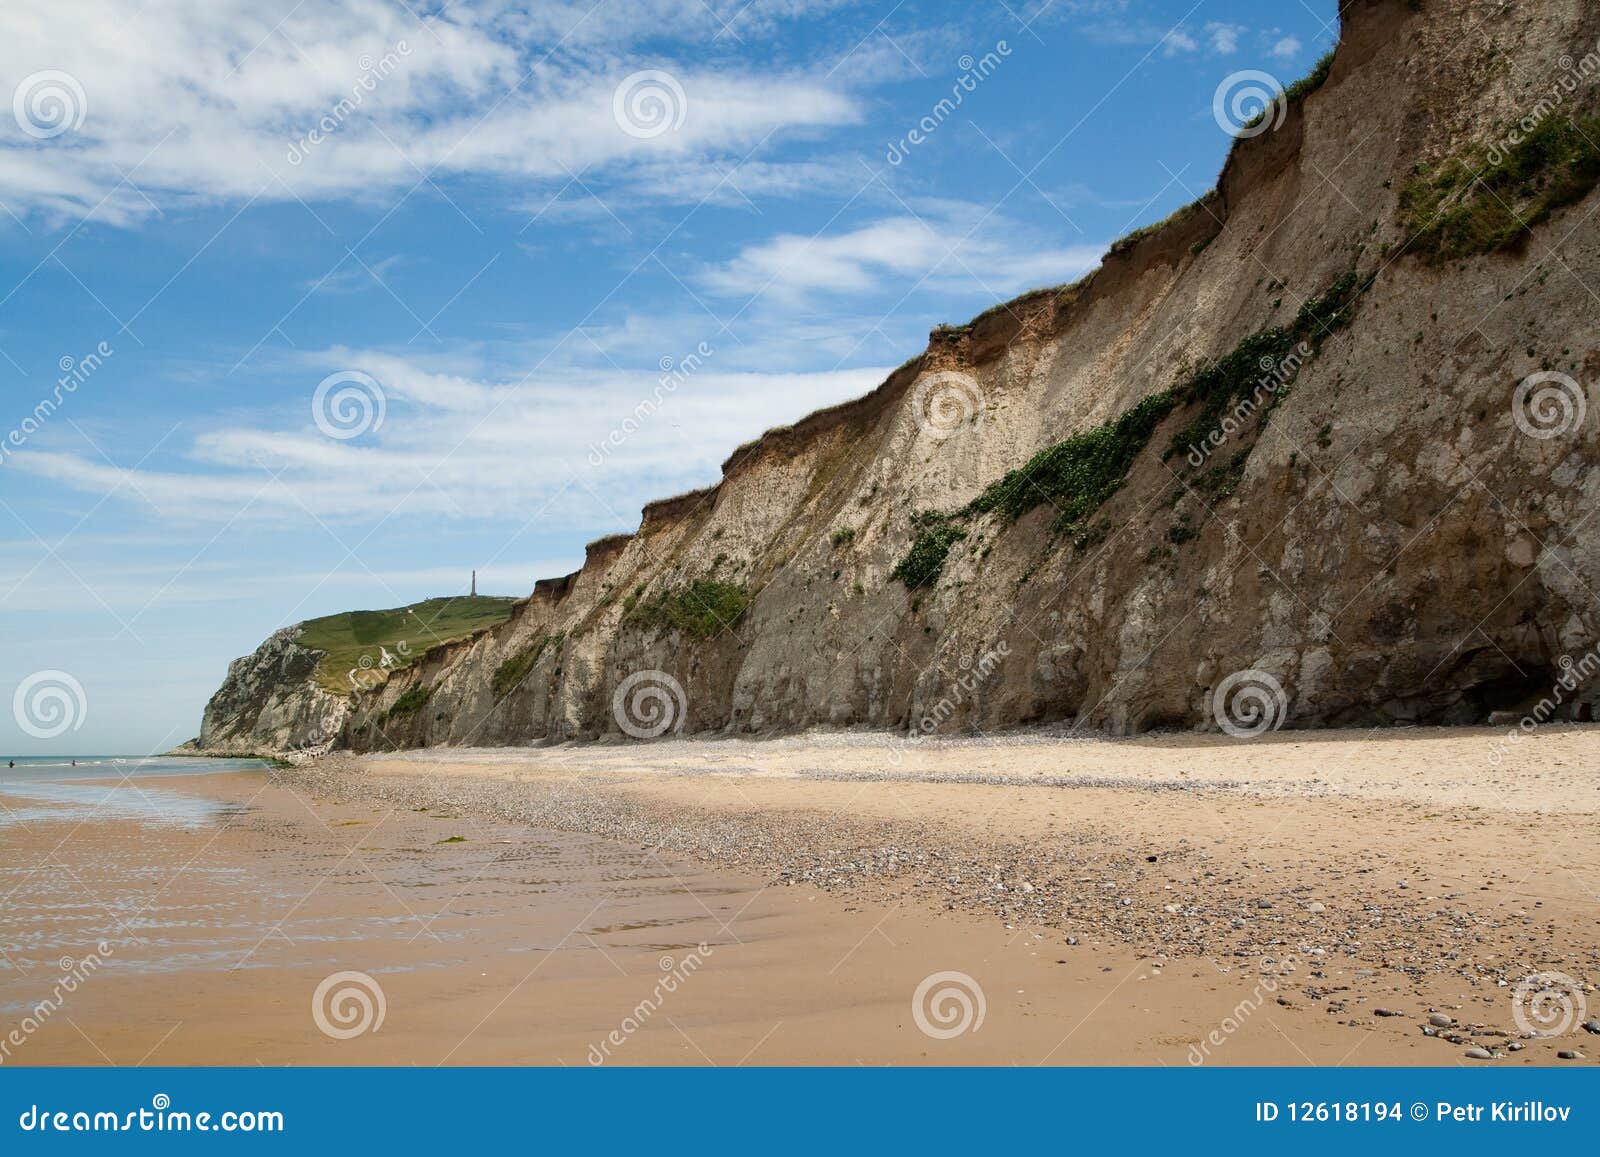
(1387, 532)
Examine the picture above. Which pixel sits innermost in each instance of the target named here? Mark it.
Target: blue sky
(504, 220)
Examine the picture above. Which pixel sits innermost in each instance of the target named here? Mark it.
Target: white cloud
(1286, 48)
(568, 448)
(218, 99)
(1224, 38)
(959, 247)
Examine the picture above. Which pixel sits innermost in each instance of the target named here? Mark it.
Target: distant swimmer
(74, 763)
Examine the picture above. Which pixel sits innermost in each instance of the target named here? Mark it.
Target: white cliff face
(270, 704)
(1386, 543)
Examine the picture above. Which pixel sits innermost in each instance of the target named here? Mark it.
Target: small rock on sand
(1480, 1054)
(1440, 1020)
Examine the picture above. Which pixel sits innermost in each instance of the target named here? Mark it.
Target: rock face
(1394, 528)
(269, 703)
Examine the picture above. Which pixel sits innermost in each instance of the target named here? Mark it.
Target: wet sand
(739, 903)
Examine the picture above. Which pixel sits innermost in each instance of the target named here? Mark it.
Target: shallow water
(45, 789)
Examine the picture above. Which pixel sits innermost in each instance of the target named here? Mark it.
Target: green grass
(1313, 80)
(1473, 205)
(702, 608)
(404, 632)
(1078, 475)
(410, 702)
(1227, 380)
(922, 565)
(508, 676)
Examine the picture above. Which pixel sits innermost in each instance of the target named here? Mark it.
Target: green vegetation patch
(925, 561)
(702, 608)
(508, 676)
(1262, 365)
(1487, 202)
(1077, 475)
(398, 636)
(410, 702)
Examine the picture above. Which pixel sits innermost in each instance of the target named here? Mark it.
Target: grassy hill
(370, 643)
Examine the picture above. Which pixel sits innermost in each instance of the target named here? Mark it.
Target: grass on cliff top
(1478, 204)
(702, 608)
(403, 632)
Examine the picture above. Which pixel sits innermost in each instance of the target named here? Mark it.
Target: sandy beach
(836, 899)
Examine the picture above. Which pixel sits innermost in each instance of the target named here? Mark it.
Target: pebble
(1387, 1012)
(1570, 1055)
(1592, 1026)
(1480, 1054)
(1440, 1020)
(1316, 906)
